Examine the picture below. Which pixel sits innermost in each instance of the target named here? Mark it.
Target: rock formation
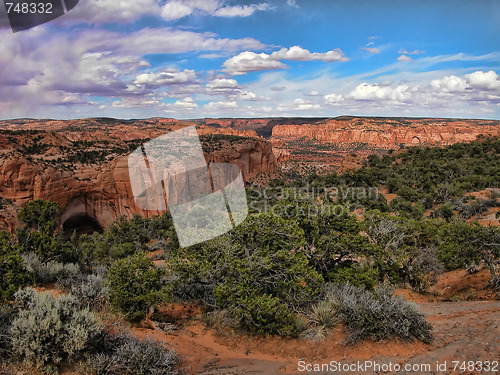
(86, 172)
(387, 133)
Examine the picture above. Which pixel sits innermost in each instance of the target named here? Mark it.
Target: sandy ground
(464, 331)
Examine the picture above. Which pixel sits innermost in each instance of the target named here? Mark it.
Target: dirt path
(464, 331)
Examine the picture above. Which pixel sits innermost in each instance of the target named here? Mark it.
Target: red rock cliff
(389, 133)
(51, 166)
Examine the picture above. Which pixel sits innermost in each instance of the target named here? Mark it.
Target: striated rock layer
(387, 133)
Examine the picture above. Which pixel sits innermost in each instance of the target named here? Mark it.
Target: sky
(220, 58)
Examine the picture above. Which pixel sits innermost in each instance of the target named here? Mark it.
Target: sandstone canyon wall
(101, 190)
(388, 133)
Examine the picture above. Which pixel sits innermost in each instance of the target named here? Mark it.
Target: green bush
(13, 273)
(47, 330)
(124, 238)
(258, 272)
(377, 315)
(40, 215)
(257, 314)
(38, 234)
(136, 285)
(355, 274)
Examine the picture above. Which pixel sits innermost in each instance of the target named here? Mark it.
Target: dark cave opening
(81, 224)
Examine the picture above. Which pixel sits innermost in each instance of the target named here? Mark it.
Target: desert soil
(463, 331)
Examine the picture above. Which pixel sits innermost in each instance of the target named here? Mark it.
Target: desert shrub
(47, 330)
(403, 249)
(424, 269)
(125, 238)
(13, 273)
(466, 208)
(324, 313)
(258, 272)
(465, 244)
(126, 355)
(257, 314)
(49, 272)
(444, 211)
(91, 290)
(377, 315)
(38, 234)
(407, 208)
(323, 316)
(356, 274)
(219, 320)
(40, 215)
(136, 285)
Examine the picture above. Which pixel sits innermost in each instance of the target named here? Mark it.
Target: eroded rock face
(47, 165)
(387, 133)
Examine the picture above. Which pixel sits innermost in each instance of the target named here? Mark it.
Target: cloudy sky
(223, 58)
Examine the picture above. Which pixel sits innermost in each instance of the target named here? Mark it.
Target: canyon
(82, 164)
(387, 133)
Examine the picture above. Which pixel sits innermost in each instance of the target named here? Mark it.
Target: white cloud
(108, 11)
(166, 77)
(449, 84)
(44, 66)
(483, 80)
(404, 58)
(297, 53)
(367, 91)
(248, 96)
(373, 50)
(333, 99)
(167, 40)
(174, 10)
(222, 86)
(292, 3)
(298, 105)
(254, 62)
(251, 62)
(137, 102)
(211, 56)
(221, 106)
(186, 104)
(241, 11)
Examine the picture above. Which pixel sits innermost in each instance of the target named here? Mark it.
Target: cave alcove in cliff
(81, 224)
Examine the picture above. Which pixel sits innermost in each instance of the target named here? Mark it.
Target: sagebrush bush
(49, 272)
(47, 329)
(378, 315)
(90, 289)
(126, 355)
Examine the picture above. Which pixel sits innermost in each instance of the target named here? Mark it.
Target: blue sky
(221, 58)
